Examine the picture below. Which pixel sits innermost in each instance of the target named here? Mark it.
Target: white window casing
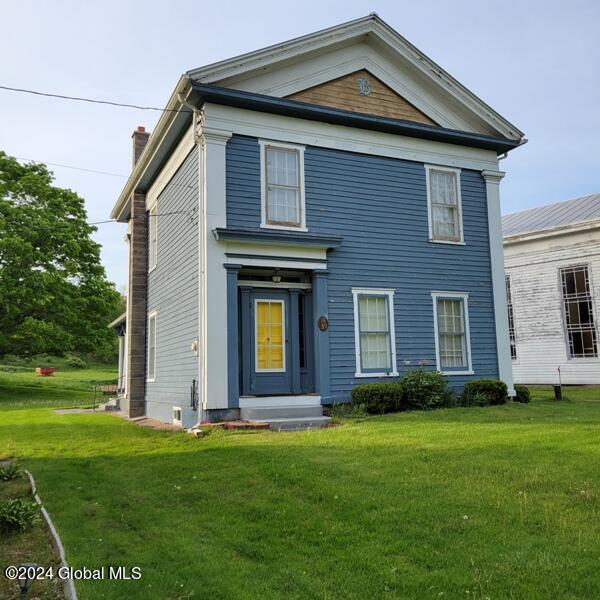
(444, 205)
(374, 332)
(153, 237)
(282, 186)
(455, 327)
(151, 368)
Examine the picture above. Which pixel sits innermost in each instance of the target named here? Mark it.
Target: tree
(54, 295)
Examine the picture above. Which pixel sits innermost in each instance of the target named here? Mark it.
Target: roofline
(528, 236)
(173, 114)
(120, 319)
(202, 93)
(263, 57)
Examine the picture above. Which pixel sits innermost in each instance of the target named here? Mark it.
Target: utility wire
(91, 100)
(33, 160)
(166, 214)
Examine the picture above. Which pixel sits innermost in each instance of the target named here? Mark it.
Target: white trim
(554, 231)
(456, 173)
(271, 284)
(279, 401)
(264, 144)
(176, 159)
(151, 315)
(492, 188)
(283, 335)
(351, 139)
(276, 263)
(464, 296)
(152, 226)
(356, 292)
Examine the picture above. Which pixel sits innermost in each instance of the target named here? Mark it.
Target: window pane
(511, 319)
(443, 188)
(151, 347)
(269, 335)
(445, 221)
(579, 312)
(451, 332)
(373, 319)
(282, 167)
(283, 205)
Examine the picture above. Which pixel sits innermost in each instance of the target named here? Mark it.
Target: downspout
(201, 265)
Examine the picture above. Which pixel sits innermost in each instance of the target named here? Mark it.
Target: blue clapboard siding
(379, 206)
(173, 293)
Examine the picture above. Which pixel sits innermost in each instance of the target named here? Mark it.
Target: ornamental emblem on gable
(364, 86)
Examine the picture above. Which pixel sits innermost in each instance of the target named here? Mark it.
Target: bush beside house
(426, 390)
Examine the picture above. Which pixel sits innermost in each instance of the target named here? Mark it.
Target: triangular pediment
(323, 68)
(362, 92)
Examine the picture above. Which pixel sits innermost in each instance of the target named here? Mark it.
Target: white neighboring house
(552, 263)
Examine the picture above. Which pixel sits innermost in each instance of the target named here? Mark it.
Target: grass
(32, 546)
(21, 387)
(498, 502)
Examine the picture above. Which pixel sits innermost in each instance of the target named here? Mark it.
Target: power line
(190, 213)
(72, 167)
(90, 100)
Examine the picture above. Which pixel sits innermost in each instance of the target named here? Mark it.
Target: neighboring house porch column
(492, 184)
(321, 337)
(133, 405)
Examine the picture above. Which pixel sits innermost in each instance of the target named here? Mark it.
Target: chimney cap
(140, 129)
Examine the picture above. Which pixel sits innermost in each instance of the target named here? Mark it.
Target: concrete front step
(280, 412)
(297, 424)
(111, 405)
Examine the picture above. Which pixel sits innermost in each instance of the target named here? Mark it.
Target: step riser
(288, 412)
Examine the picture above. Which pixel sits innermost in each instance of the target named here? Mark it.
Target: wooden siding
(533, 268)
(344, 93)
(379, 206)
(173, 294)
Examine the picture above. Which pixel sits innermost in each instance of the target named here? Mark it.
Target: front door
(270, 348)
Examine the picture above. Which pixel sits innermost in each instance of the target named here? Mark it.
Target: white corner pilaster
(492, 184)
(212, 347)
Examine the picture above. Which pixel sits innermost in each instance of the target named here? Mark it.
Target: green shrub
(10, 471)
(75, 362)
(424, 390)
(484, 392)
(377, 398)
(347, 410)
(18, 515)
(523, 394)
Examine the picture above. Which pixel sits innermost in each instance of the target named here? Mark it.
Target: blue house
(309, 217)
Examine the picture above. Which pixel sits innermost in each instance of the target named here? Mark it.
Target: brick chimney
(140, 139)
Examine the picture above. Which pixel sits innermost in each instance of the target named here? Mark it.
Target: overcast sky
(536, 62)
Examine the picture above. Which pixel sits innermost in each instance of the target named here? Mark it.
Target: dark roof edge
(269, 236)
(202, 92)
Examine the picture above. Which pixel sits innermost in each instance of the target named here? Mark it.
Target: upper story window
(152, 237)
(511, 319)
(452, 338)
(579, 312)
(282, 178)
(375, 343)
(444, 205)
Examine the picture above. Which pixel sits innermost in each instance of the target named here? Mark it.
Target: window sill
(282, 227)
(363, 375)
(457, 372)
(153, 268)
(447, 242)
(150, 380)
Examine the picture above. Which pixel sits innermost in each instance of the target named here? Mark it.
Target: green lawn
(500, 502)
(21, 387)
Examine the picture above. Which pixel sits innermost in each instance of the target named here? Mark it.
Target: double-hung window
(151, 346)
(511, 319)
(452, 340)
(152, 237)
(282, 175)
(375, 343)
(444, 205)
(579, 312)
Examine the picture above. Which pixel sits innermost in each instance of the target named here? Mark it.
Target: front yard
(500, 502)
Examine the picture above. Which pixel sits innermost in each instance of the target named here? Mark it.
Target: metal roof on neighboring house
(551, 216)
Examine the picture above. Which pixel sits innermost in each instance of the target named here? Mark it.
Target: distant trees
(54, 295)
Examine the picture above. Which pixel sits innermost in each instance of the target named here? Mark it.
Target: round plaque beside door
(323, 323)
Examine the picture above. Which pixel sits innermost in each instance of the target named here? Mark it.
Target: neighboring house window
(511, 319)
(452, 339)
(152, 346)
(282, 175)
(579, 312)
(153, 237)
(444, 204)
(374, 332)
